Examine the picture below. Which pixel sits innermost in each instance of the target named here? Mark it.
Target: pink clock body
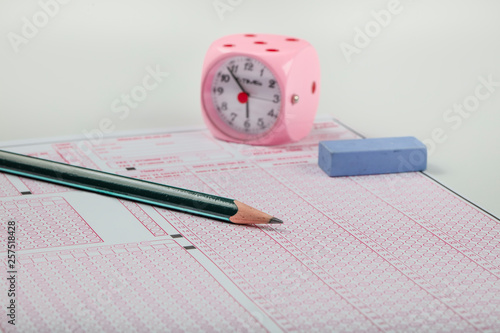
(260, 89)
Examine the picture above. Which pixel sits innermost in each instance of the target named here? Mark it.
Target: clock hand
(263, 99)
(243, 90)
(237, 82)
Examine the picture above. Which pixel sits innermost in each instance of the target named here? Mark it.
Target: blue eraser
(372, 156)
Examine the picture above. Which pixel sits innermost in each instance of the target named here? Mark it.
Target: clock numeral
(276, 98)
(246, 124)
(234, 69)
(219, 90)
(248, 66)
(261, 71)
(272, 83)
(223, 106)
(272, 114)
(233, 117)
(261, 123)
(224, 78)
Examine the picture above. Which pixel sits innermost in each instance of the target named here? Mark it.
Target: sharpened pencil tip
(275, 220)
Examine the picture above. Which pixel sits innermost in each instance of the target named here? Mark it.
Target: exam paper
(395, 252)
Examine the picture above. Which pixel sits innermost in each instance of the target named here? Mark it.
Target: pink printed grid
(46, 223)
(387, 252)
(340, 264)
(428, 202)
(455, 278)
(141, 287)
(144, 218)
(273, 274)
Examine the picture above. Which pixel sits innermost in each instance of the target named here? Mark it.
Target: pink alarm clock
(260, 89)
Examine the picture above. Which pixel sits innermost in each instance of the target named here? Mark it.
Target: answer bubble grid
(445, 211)
(241, 267)
(46, 223)
(363, 216)
(145, 296)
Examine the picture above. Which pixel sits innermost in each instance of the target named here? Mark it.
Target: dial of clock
(246, 95)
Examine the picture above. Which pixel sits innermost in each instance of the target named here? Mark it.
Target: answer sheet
(389, 253)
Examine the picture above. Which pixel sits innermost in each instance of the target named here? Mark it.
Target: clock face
(246, 97)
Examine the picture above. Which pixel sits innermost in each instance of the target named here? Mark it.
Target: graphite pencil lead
(275, 220)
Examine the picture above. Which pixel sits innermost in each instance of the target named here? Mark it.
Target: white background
(64, 78)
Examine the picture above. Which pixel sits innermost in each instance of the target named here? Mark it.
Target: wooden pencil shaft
(118, 186)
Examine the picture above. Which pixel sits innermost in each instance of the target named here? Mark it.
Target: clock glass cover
(246, 97)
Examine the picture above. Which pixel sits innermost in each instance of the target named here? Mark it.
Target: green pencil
(225, 209)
